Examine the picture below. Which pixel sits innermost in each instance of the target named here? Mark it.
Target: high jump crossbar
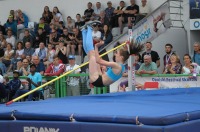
(47, 83)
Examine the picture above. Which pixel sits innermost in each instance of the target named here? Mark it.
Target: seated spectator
(18, 56)
(22, 20)
(39, 64)
(76, 39)
(118, 17)
(88, 13)
(73, 82)
(28, 37)
(3, 91)
(54, 37)
(11, 24)
(109, 14)
(42, 25)
(67, 40)
(23, 67)
(2, 29)
(34, 80)
(57, 13)
(8, 55)
(154, 55)
(70, 24)
(175, 67)
(97, 11)
(106, 36)
(3, 68)
(188, 62)
(196, 56)
(148, 67)
(61, 52)
(14, 84)
(40, 37)
(50, 55)
(41, 52)
(96, 34)
(144, 8)
(28, 50)
(10, 38)
(56, 68)
(47, 15)
(3, 42)
(79, 23)
(131, 12)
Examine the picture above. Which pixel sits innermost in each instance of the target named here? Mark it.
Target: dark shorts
(98, 82)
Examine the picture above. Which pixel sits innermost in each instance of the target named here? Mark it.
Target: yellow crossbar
(47, 83)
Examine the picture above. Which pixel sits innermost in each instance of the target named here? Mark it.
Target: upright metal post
(131, 65)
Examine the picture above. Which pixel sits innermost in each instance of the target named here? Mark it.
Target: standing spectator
(131, 12)
(22, 20)
(28, 37)
(79, 23)
(76, 39)
(154, 55)
(73, 82)
(10, 38)
(28, 50)
(169, 52)
(41, 52)
(148, 67)
(109, 14)
(61, 52)
(57, 13)
(47, 15)
(14, 84)
(56, 68)
(175, 67)
(11, 24)
(50, 55)
(97, 11)
(39, 65)
(196, 56)
(88, 13)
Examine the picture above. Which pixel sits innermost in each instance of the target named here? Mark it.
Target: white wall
(34, 8)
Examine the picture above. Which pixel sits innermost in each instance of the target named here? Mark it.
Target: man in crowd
(196, 56)
(169, 52)
(148, 67)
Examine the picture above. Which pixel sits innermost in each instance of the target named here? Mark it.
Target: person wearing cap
(34, 80)
(73, 82)
(14, 84)
(11, 24)
(56, 68)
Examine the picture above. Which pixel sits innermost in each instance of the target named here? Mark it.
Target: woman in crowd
(8, 55)
(50, 55)
(3, 42)
(61, 52)
(70, 24)
(47, 15)
(188, 62)
(175, 67)
(57, 13)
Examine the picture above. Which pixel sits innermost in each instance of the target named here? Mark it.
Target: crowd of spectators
(50, 47)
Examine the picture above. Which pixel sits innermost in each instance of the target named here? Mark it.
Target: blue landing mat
(153, 108)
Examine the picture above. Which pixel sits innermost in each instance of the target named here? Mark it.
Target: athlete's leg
(89, 41)
(84, 34)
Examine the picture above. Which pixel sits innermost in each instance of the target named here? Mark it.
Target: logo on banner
(40, 129)
(144, 34)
